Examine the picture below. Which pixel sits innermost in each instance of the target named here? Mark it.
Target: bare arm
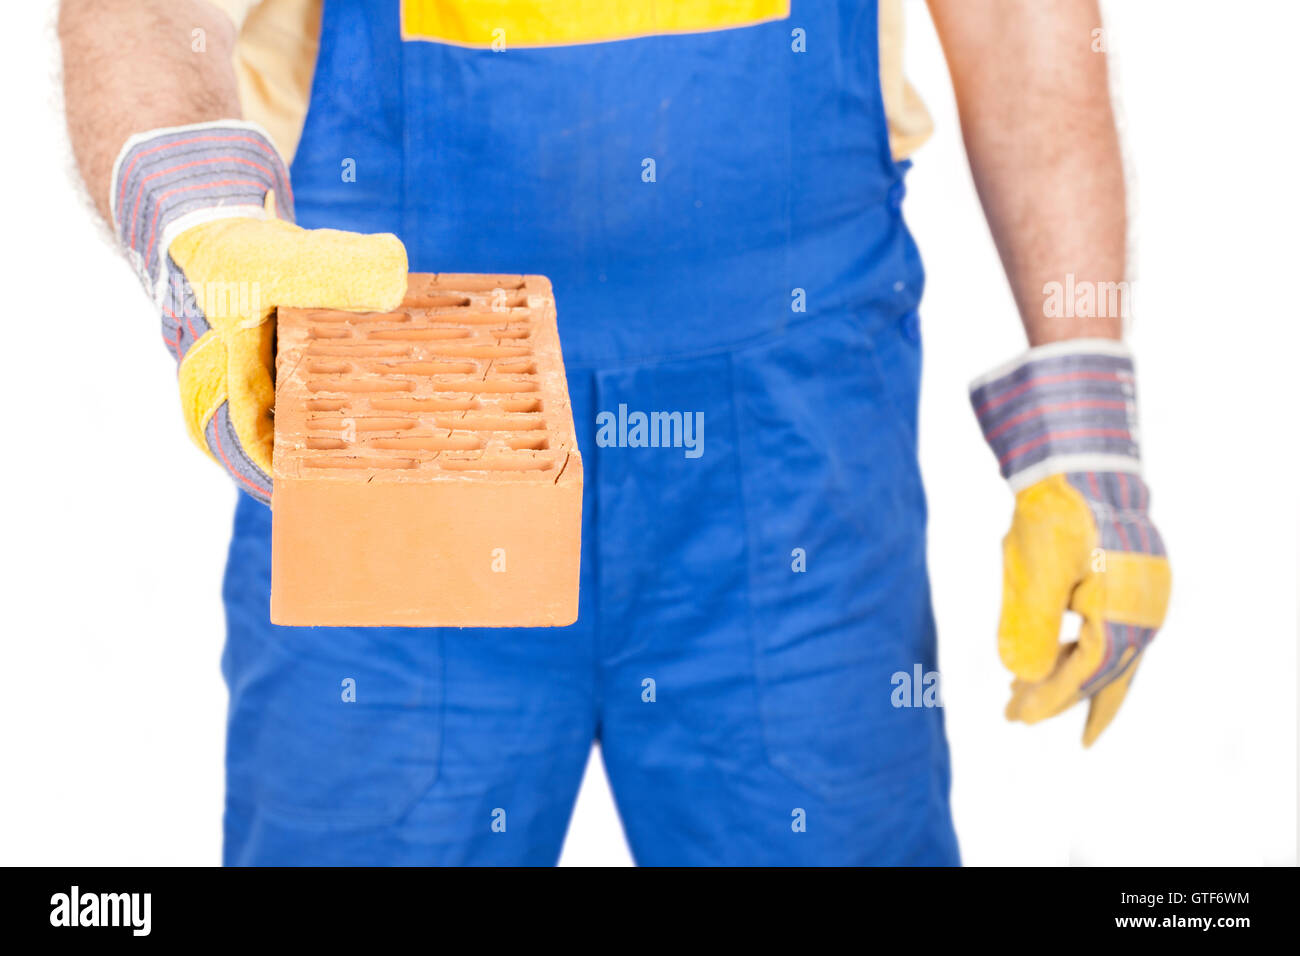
(1040, 136)
(131, 66)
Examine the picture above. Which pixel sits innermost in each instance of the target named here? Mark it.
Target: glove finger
(241, 267)
(202, 380)
(1106, 702)
(1033, 701)
(1043, 559)
(1022, 691)
(226, 397)
(1037, 700)
(328, 268)
(1033, 601)
(251, 390)
(226, 446)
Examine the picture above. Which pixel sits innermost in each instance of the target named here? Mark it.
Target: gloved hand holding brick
(195, 207)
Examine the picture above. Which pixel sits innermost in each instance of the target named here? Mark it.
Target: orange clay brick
(426, 469)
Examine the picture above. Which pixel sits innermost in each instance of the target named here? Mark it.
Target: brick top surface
(464, 380)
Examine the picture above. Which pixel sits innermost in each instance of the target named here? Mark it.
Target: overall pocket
(835, 520)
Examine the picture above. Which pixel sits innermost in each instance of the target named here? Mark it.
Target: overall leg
(771, 591)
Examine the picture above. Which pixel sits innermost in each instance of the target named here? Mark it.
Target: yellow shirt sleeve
(909, 121)
(275, 57)
(237, 10)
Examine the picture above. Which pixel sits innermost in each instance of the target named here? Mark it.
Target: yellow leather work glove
(195, 208)
(1062, 422)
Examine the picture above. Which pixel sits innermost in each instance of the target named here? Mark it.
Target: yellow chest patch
(503, 24)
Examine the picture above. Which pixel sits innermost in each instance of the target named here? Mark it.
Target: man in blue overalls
(714, 188)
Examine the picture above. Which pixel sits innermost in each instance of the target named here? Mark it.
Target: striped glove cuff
(167, 180)
(1065, 407)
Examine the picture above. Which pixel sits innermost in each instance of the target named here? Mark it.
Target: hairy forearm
(135, 65)
(1040, 136)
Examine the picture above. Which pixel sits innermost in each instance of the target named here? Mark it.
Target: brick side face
(426, 469)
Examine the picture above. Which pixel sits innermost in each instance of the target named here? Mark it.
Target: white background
(112, 708)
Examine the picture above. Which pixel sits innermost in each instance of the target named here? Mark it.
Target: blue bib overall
(719, 213)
